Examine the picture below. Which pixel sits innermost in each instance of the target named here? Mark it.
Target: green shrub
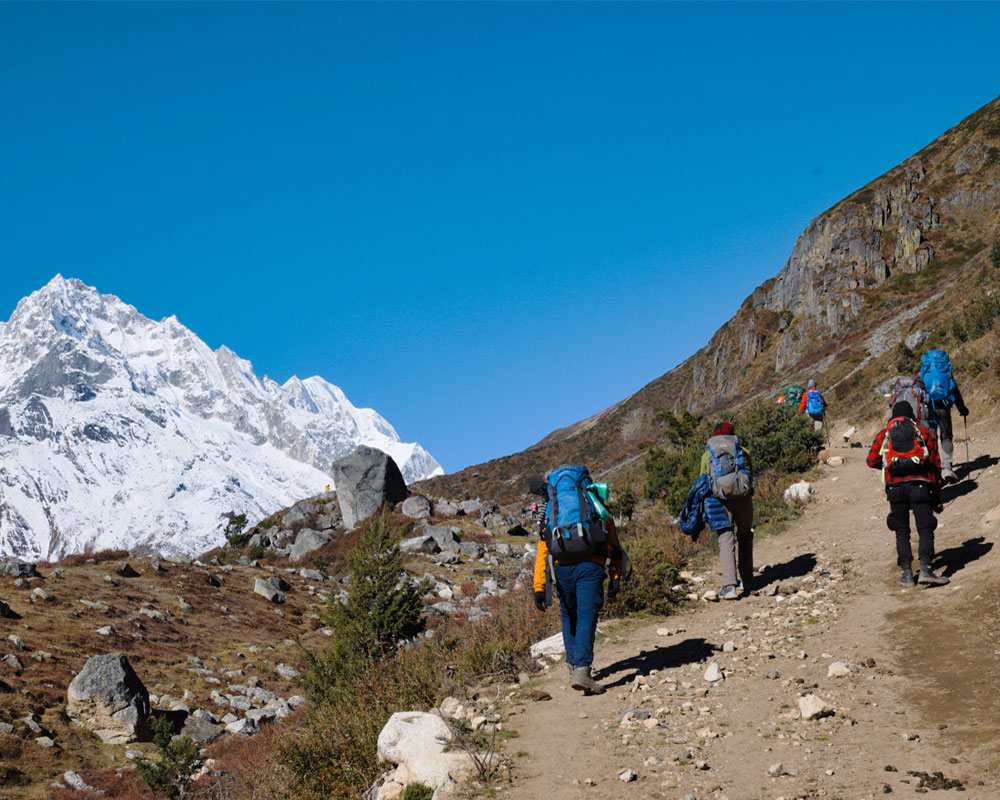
(907, 361)
(178, 760)
(255, 552)
(382, 609)
(777, 440)
(417, 791)
(234, 530)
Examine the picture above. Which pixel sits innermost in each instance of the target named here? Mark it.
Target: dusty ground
(922, 693)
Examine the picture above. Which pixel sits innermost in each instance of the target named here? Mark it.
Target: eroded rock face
(107, 697)
(366, 480)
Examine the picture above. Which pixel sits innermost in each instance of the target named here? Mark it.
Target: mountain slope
(902, 256)
(118, 431)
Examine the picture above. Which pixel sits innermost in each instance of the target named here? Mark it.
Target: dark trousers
(915, 496)
(581, 595)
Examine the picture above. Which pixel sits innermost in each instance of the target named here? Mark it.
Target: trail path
(923, 693)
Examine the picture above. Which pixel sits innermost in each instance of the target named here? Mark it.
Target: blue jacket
(702, 506)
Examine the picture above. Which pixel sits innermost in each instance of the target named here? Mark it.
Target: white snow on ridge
(118, 431)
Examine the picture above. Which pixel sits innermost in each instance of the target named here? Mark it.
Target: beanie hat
(724, 429)
(902, 410)
(811, 384)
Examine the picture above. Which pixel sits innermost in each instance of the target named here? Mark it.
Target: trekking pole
(826, 427)
(965, 422)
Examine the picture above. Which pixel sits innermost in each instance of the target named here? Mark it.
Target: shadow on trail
(676, 655)
(955, 558)
(955, 490)
(802, 564)
(978, 463)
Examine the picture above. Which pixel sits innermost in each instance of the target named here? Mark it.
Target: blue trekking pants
(581, 594)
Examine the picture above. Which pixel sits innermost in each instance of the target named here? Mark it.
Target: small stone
(729, 647)
(700, 764)
(38, 593)
(45, 741)
(713, 673)
(711, 596)
(813, 707)
(911, 737)
(127, 571)
(838, 669)
(772, 674)
(17, 641)
(776, 770)
(628, 776)
(651, 723)
(107, 630)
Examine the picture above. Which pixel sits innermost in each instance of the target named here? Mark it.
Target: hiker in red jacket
(908, 456)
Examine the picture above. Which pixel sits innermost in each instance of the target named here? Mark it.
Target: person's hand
(938, 507)
(540, 601)
(614, 586)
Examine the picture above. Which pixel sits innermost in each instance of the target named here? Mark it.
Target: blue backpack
(574, 528)
(814, 403)
(935, 372)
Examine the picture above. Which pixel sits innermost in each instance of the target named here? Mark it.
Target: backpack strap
(715, 461)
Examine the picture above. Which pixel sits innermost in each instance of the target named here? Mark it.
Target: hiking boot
(906, 578)
(729, 593)
(582, 681)
(928, 577)
(949, 475)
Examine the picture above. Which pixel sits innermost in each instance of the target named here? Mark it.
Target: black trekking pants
(904, 497)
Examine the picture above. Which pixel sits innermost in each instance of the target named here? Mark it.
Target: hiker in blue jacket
(738, 532)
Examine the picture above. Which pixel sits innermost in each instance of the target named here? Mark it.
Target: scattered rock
(13, 568)
(6, 612)
(799, 493)
(127, 571)
(74, 781)
(306, 542)
(416, 507)
(838, 669)
(409, 735)
(242, 727)
(711, 596)
(713, 673)
(628, 776)
(777, 770)
(107, 697)
(551, 648)
(38, 593)
(268, 590)
(813, 707)
(287, 672)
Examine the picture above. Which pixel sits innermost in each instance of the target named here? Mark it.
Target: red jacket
(933, 473)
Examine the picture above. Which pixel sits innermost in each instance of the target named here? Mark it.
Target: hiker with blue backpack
(726, 464)
(579, 535)
(942, 393)
(813, 404)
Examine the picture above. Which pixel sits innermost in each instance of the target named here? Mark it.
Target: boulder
(201, 730)
(445, 538)
(107, 697)
(445, 508)
(244, 727)
(268, 590)
(6, 612)
(472, 549)
(551, 648)
(799, 493)
(127, 571)
(306, 542)
(470, 507)
(416, 507)
(420, 544)
(12, 568)
(366, 480)
(813, 707)
(411, 735)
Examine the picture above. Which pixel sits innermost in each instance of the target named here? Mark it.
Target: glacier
(117, 431)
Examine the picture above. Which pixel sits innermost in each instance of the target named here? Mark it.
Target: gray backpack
(912, 392)
(728, 468)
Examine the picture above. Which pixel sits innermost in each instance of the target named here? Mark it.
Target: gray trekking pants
(946, 442)
(741, 512)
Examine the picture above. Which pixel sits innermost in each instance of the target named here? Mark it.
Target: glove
(614, 586)
(938, 507)
(540, 601)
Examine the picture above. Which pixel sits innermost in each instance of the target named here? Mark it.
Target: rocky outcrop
(306, 542)
(366, 480)
(107, 697)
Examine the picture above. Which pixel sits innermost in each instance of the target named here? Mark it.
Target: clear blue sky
(424, 202)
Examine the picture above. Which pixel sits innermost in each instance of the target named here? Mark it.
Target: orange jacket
(613, 559)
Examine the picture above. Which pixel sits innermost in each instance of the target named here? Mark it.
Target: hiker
(911, 469)
(726, 464)
(942, 394)
(813, 404)
(583, 544)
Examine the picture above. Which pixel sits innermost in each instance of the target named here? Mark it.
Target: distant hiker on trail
(942, 394)
(584, 547)
(727, 465)
(911, 469)
(813, 404)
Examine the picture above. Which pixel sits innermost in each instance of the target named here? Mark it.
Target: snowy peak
(116, 430)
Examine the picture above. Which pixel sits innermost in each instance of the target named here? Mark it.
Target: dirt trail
(922, 693)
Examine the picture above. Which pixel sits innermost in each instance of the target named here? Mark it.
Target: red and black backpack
(904, 451)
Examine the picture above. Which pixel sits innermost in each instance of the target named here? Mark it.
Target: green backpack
(793, 395)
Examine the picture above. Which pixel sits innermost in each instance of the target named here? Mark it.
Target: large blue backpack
(814, 403)
(574, 528)
(935, 372)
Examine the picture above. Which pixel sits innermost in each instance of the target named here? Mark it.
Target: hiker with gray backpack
(942, 393)
(727, 465)
(579, 535)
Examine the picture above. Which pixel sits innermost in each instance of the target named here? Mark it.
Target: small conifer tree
(171, 774)
(382, 608)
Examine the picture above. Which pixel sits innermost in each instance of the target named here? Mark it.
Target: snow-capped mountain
(118, 431)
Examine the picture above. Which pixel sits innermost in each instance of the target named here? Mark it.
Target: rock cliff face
(909, 244)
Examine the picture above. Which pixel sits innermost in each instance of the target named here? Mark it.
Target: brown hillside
(907, 255)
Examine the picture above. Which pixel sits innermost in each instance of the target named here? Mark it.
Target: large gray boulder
(13, 568)
(445, 537)
(366, 480)
(306, 542)
(416, 507)
(266, 589)
(107, 697)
